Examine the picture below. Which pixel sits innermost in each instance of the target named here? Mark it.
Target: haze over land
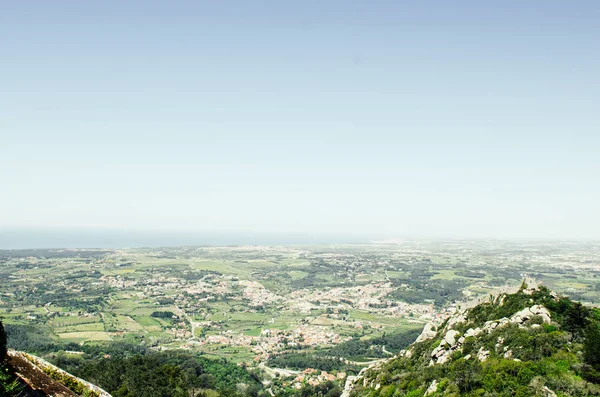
(28, 238)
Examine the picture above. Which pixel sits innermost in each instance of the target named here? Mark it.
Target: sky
(380, 119)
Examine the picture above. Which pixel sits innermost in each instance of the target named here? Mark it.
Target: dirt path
(189, 319)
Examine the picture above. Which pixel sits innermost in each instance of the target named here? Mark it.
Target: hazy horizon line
(15, 238)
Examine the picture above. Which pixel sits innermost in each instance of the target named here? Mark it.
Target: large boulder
(427, 333)
(529, 312)
(450, 337)
(541, 311)
(483, 354)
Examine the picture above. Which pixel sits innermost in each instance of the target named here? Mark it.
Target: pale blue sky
(374, 118)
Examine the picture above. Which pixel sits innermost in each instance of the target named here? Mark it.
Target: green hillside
(531, 343)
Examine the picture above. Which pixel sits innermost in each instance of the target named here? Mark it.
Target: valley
(296, 314)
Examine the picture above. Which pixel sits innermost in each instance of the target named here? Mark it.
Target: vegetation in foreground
(8, 383)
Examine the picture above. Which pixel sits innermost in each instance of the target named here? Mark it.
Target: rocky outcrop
(432, 388)
(40, 376)
(529, 312)
(427, 333)
(483, 354)
(547, 392)
(450, 337)
(33, 381)
(452, 341)
(348, 386)
(456, 331)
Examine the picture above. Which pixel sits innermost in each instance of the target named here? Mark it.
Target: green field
(253, 332)
(85, 336)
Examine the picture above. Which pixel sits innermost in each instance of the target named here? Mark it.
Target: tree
(2, 343)
(591, 354)
(591, 348)
(467, 375)
(576, 319)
